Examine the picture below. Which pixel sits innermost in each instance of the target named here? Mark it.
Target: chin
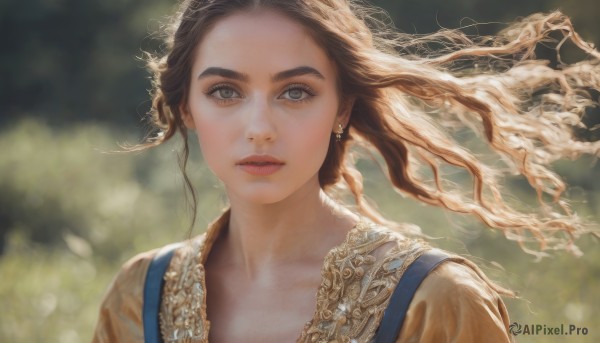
(264, 199)
(262, 195)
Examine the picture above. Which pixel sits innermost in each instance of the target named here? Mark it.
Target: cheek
(314, 138)
(208, 135)
(213, 143)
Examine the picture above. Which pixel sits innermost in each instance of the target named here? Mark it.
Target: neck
(300, 229)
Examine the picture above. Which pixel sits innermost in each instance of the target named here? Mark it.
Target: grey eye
(226, 93)
(295, 94)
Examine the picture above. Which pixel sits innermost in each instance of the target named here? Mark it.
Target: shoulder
(120, 317)
(127, 286)
(456, 302)
(456, 283)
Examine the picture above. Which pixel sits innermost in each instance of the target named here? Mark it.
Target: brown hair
(526, 109)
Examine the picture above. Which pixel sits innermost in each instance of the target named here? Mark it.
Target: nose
(260, 126)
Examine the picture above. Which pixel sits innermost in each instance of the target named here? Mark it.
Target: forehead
(263, 39)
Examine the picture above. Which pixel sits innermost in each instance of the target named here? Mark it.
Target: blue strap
(394, 314)
(152, 293)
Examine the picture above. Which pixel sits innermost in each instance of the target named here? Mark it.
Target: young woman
(276, 91)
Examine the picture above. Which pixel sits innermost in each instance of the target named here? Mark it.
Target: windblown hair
(527, 110)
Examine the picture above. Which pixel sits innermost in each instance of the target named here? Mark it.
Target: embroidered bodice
(455, 302)
(358, 278)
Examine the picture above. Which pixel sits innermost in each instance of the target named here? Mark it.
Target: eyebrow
(299, 71)
(226, 73)
(286, 74)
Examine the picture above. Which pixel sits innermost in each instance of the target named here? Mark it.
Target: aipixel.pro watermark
(547, 330)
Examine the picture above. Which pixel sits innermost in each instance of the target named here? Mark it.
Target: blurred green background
(73, 88)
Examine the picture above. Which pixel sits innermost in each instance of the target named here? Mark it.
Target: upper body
(277, 91)
(455, 302)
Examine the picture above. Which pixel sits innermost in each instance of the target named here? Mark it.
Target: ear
(186, 116)
(346, 106)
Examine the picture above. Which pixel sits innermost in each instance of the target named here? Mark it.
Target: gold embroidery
(358, 279)
(183, 306)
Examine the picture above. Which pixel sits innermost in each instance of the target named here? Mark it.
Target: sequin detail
(183, 305)
(358, 279)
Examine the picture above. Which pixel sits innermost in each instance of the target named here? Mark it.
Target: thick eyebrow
(299, 71)
(226, 73)
(286, 74)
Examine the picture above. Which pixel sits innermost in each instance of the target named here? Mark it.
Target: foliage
(76, 59)
(68, 182)
(417, 16)
(71, 214)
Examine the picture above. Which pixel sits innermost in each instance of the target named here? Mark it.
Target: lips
(260, 160)
(260, 165)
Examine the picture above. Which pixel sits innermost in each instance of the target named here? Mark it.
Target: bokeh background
(73, 87)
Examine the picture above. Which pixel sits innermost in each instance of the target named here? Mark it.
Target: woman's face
(264, 102)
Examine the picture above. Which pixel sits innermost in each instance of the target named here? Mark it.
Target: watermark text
(547, 330)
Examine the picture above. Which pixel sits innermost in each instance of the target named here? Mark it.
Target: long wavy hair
(407, 95)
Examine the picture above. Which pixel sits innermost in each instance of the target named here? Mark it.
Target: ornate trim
(358, 279)
(183, 307)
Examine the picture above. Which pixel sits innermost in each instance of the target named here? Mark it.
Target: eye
(223, 93)
(297, 92)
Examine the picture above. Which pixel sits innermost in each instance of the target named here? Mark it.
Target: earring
(339, 132)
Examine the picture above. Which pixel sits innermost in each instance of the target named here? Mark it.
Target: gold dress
(455, 302)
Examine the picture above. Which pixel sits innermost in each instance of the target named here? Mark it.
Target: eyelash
(303, 87)
(218, 87)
